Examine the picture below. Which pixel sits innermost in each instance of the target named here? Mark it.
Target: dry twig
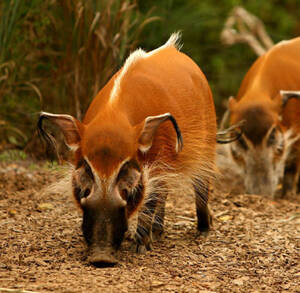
(6, 290)
(243, 27)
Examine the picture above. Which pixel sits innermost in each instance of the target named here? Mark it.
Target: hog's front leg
(158, 223)
(143, 236)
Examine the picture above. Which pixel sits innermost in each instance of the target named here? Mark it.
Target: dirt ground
(253, 246)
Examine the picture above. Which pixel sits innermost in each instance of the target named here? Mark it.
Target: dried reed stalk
(243, 27)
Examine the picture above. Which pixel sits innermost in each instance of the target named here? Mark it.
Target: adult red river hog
(150, 132)
(268, 102)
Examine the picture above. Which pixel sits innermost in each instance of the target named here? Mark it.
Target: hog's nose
(102, 257)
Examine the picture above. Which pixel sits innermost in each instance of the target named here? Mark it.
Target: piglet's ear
(150, 127)
(69, 126)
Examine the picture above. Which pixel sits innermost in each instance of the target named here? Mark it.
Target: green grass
(12, 156)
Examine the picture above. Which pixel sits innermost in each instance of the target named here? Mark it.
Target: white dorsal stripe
(136, 55)
(141, 54)
(283, 42)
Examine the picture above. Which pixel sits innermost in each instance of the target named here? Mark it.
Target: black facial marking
(80, 163)
(98, 224)
(120, 227)
(242, 143)
(86, 192)
(123, 172)
(77, 193)
(87, 226)
(88, 171)
(132, 194)
(126, 167)
(258, 122)
(82, 180)
(272, 138)
(280, 148)
(135, 198)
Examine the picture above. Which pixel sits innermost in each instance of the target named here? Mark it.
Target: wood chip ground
(252, 247)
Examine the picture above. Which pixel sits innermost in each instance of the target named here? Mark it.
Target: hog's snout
(102, 257)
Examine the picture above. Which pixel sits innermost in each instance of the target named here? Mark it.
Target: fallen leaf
(181, 224)
(156, 284)
(225, 218)
(286, 286)
(45, 206)
(12, 212)
(240, 281)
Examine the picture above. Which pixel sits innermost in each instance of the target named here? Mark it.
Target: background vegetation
(56, 54)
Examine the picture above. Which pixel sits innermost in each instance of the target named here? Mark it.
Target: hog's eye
(280, 145)
(88, 170)
(86, 192)
(83, 180)
(123, 171)
(124, 193)
(84, 169)
(80, 163)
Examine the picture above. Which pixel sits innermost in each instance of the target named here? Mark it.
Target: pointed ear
(69, 126)
(286, 95)
(150, 127)
(231, 103)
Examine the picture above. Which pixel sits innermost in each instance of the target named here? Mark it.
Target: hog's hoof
(140, 249)
(157, 232)
(142, 244)
(205, 221)
(129, 235)
(202, 233)
(203, 230)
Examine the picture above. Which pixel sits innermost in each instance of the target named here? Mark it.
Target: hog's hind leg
(204, 218)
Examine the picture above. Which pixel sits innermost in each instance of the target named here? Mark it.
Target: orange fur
(167, 81)
(278, 69)
(128, 149)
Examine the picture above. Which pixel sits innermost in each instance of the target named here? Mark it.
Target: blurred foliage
(56, 54)
(201, 23)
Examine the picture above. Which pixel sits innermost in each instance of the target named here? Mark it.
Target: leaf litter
(252, 247)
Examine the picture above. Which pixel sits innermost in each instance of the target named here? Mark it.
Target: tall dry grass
(11, 14)
(96, 35)
(64, 52)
